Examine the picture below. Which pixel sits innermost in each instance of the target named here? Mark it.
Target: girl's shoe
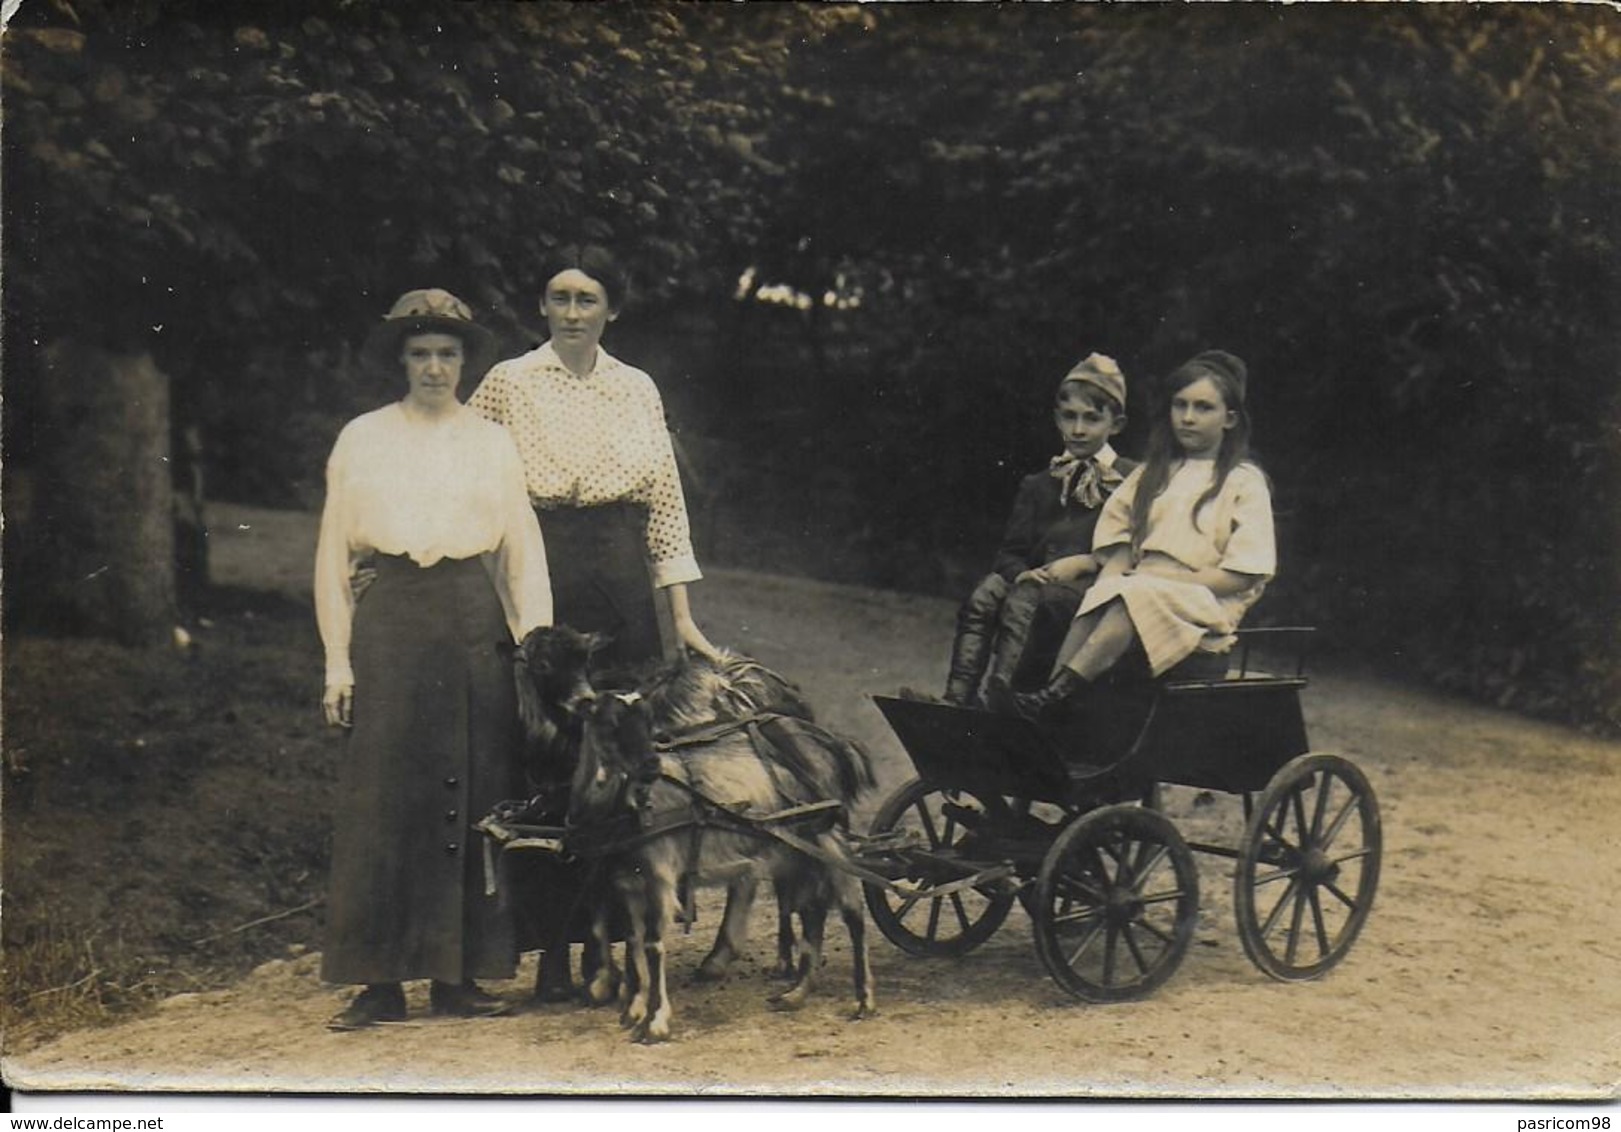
(1041, 706)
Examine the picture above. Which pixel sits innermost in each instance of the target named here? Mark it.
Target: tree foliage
(239, 186)
(1406, 223)
(256, 165)
(1405, 219)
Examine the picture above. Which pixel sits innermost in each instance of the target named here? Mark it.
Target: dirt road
(1488, 969)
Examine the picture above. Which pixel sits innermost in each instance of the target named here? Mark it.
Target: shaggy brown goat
(552, 669)
(642, 800)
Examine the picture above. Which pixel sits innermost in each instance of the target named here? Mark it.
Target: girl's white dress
(1232, 531)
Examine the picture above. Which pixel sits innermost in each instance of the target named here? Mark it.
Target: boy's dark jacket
(1041, 528)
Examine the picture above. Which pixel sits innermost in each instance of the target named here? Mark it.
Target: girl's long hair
(1230, 377)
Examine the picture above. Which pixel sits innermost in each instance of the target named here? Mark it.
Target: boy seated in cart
(1010, 626)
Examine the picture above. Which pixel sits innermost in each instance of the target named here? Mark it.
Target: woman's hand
(686, 629)
(337, 704)
(360, 581)
(693, 638)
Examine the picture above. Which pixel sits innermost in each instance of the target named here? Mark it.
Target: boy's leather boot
(976, 628)
(1018, 611)
(967, 662)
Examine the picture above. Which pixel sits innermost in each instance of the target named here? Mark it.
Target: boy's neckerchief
(1087, 482)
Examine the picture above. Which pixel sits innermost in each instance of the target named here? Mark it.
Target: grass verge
(166, 813)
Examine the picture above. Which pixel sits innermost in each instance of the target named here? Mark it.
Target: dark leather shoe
(1047, 704)
(465, 1001)
(380, 1002)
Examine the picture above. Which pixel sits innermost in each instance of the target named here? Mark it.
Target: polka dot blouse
(600, 438)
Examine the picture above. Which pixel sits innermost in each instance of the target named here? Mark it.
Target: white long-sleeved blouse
(593, 439)
(429, 489)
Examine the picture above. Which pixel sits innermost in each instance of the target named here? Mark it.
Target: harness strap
(706, 734)
(770, 757)
(689, 891)
(702, 812)
(672, 741)
(767, 826)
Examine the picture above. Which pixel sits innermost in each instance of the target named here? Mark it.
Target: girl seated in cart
(1186, 544)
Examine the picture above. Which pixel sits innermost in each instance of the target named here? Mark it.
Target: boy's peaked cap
(1101, 372)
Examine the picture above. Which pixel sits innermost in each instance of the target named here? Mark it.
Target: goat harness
(635, 822)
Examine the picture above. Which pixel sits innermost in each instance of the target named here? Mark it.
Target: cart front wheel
(1308, 868)
(942, 830)
(1116, 904)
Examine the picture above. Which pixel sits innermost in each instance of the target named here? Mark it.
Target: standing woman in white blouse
(432, 495)
(600, 469)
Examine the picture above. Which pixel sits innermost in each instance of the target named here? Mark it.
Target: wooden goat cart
(1068, 822)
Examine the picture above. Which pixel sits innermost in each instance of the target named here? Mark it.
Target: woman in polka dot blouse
(600, 469)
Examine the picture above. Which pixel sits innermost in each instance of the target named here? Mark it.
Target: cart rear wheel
(1117, 900)
(944, 826)
(1308, 867)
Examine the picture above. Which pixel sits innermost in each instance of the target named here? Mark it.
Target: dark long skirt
(601, 582)
(432, 749)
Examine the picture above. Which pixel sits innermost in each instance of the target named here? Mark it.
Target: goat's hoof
(598, 994)
(710, 972)
(651, 1031)
(787, 1000)
(864, 1010)
(555, 993)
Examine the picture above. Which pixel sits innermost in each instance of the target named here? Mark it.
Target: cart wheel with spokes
(1308, 867)
(944, 827)
(1053, 815)
(1116, 904)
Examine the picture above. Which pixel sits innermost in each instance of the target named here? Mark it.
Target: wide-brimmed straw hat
(428, 311)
